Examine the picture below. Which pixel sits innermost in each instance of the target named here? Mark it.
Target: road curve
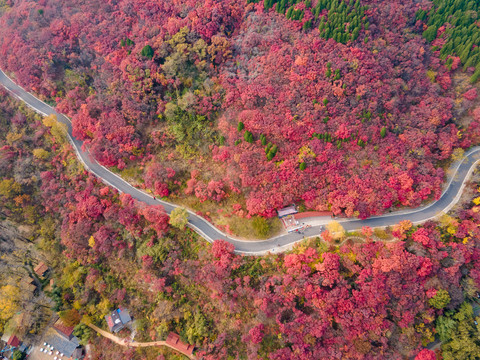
(460, 170)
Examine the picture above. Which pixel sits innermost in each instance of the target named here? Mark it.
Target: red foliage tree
(426, 354)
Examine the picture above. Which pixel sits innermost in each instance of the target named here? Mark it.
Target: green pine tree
(383, 132)
(147, 51)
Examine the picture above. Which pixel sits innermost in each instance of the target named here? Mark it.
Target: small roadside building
(68, 346)
(27, 285)
(286, 215)
(40, 269)
(8, 345)
(117, 319)
(13, 341)
(63, 330)
(289, 210)
(174, 341)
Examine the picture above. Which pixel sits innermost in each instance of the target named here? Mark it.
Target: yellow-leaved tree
(336, 230)
(91, 241)
(9, 188)
(57, 129)
(9, 303)
(49, 120)
(41, 154)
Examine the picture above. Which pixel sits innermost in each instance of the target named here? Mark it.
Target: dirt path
(361, 239)
(128, 343)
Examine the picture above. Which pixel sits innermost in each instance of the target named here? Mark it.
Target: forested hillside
(248, 106)
(357, 300)
(237, 108)
(453, 27)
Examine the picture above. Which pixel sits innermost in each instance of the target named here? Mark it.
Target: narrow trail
(127, 343)
(362, 240)
(459, 172)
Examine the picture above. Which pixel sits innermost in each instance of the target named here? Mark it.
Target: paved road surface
(450, 196)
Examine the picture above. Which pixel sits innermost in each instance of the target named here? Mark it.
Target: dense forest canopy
(454, 27)
(342, 105)
(350, 106)
(357, 300)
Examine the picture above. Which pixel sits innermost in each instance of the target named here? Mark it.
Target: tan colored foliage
(57, 129)
(179, 218)
(9, 188)
(41, 154)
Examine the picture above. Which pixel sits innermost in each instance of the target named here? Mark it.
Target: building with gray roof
(69, 347)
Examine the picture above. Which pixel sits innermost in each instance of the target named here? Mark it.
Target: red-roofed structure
(13, 341)
(40, 269)
(110, 322)
(63, 329)
(174, 341)
(308, 214)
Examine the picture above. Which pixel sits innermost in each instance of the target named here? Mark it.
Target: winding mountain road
(460, 171)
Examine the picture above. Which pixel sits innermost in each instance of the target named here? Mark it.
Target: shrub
(383, 132)
(179, 218)
(248, 136)
(263, 139)
(147, 51)
(18, 355)
(440, 300)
